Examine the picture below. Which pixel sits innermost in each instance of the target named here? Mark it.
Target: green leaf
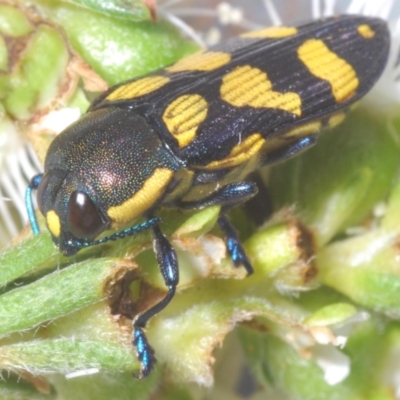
(365, 269)
(119, 49)
(133, 10)
(106, 386)
(66, 355)
(56, 294)
(13, 22)
(331, 314)
(34, 81)
(199, 223)
(26, 257)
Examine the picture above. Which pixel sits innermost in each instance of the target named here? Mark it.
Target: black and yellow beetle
(186, 136)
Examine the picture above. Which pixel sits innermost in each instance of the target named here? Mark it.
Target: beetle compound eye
(83, 219)
(41, 190)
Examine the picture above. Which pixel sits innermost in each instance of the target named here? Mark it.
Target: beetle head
(102, 172)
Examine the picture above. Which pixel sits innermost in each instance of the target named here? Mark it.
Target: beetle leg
(168, 263)
(289, 150)
(227, 197)
(233, 245)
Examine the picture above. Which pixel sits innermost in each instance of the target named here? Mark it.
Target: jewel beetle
(186, 136)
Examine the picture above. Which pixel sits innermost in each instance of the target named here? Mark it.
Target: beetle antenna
(78, 244)
(34, 183)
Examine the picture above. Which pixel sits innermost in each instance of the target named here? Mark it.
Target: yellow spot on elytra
(336, 119)
(325, 64)
(247, 86)
(183, 117)
(303, 130)
(201, 61)
(273, 32)
(143, 199)
(53, 223)
(366, 31)
(241, 153)
(138, 88)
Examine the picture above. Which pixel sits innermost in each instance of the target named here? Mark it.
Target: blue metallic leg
(234, 194)
(228, 197)
(233, 245)
(290, 150)
(168, 263)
